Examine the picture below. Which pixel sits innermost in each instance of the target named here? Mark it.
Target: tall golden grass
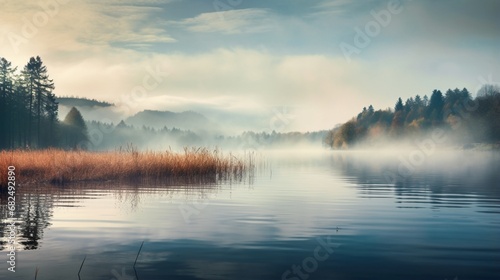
(59, 166)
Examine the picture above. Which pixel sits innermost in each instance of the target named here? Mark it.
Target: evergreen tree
(40, 89)
(75, 130)
(480, 123)
(409, 104)
(6, 103)
(425, 101)
(436, 105)
(22, 113)
(399, 105)
(418, 101)
(370, 110)
(51, 109)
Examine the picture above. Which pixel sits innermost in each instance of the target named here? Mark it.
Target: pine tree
(418, 101)
(39, 90)
(51, 109)
(436, 105)
(399, 105)
(425, 101)
(370, 110)
(6, 103)
(75, 131)
(22, 113)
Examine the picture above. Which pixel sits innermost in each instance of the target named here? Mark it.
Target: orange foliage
(59, 166)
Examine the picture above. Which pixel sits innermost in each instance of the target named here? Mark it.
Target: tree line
(145, 137)
(29, 120)
(29, 110)
(473, 120)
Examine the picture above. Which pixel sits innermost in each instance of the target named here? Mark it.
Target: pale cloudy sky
(256, 58)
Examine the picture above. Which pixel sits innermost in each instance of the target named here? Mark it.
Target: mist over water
(436, 220)
(418, 206)
(231, 139)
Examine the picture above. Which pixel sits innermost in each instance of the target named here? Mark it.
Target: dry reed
(59, 166)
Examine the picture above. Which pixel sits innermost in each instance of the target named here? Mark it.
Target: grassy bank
(59, 167)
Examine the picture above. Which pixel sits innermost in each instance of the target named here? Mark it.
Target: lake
(299, 215)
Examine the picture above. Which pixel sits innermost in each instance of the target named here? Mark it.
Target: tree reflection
(35, 204)
(445, 180)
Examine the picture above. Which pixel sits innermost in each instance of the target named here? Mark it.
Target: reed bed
(60, 167)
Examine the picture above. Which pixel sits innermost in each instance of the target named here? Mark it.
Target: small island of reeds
(59, 166)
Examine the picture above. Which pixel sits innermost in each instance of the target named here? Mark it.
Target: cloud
(67, 26)
(126, 24)
(255, 59)
(239, 81)
(231, 21)
(319, 90)
(335, 8)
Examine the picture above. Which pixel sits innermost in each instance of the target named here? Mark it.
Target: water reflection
(438, 223)
(32, 216)
(444, 180)
(35, 203)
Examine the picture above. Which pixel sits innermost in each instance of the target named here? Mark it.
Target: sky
(295, 65)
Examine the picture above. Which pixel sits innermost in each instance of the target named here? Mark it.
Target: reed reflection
(36, 203)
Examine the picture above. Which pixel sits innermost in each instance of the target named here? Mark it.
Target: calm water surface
(321, 215)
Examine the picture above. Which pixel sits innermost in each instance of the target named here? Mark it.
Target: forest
(109, 136)
(468, 120)
(29, 110)
(29, 120)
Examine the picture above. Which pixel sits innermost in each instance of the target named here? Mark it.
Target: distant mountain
(187, 120)
(81, 102)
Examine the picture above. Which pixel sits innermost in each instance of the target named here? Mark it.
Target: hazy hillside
(187, 120)
(81, 102)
